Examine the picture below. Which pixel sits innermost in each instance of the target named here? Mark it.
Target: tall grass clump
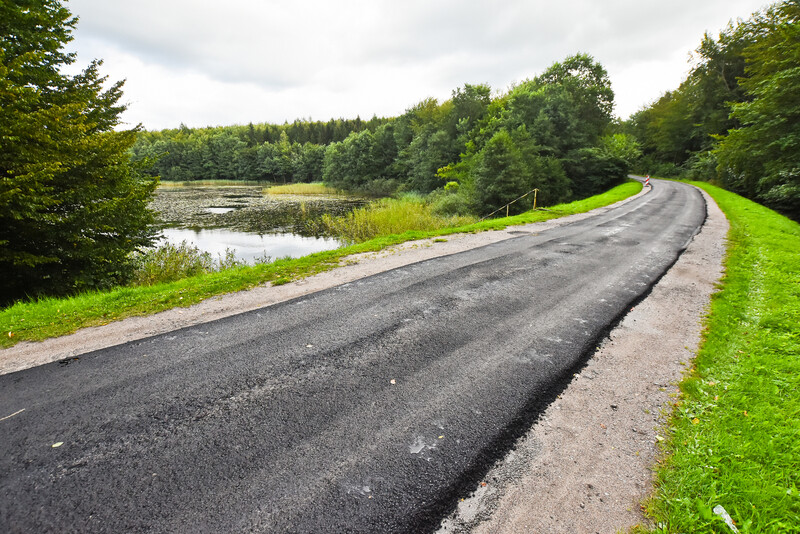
(316, 188)
(734, 435)
(168, 263)
(389, 216)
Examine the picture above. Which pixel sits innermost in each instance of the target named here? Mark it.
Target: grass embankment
(315, 188)
(734, 436)
(45, 318)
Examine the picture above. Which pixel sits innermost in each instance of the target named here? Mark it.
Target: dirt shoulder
(587, 463)
(30, 354)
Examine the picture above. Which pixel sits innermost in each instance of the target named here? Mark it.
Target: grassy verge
(734, 434)
(302, 189)
(45, 318)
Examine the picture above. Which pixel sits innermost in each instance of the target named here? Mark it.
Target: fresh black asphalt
(369, 407)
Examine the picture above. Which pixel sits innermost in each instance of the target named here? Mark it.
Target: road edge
(586, 464)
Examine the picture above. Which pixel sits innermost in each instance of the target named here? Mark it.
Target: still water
(250, 247)
(242, 218)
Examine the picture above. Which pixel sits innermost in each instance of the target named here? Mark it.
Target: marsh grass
(389, 216)
(734, 434)
(41, 319)
(315, 188)
(169, 262)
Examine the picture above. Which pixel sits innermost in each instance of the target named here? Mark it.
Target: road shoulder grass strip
(50, 317)
(734, 433)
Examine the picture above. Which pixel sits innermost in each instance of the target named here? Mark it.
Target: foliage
(734, 430)
(544, 134)
(761, 158)
(50, 317)
(623, 147)
(736, 118)
(72, 207)
(265, 152)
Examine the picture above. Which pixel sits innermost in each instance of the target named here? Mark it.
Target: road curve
(368, 407)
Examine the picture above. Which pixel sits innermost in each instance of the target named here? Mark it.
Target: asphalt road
(369, 407)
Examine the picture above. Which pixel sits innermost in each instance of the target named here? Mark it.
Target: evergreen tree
(72, 207)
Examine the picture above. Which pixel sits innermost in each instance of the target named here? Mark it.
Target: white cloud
(205, 62)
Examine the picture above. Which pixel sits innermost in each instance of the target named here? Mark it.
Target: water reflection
(247, 246)
(219, 211)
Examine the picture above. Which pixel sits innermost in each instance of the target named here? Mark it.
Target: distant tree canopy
(548, 133)
(72, 207)
(287, 153)
(736, 118)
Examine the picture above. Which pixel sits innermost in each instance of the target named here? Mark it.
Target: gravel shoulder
(587, 463)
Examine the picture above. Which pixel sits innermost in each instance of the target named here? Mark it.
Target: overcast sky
(215, 62)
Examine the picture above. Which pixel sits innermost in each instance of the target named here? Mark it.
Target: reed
(316, 188)
(389, 216)
(168, 263)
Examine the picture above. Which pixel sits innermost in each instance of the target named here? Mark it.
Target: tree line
(553, 132)
(263, 152)
(736, 118)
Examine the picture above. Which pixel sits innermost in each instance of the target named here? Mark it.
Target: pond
(244, 219)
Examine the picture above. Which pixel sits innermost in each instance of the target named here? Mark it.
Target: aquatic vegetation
(389, 216)
(315, 188)
(169, 262)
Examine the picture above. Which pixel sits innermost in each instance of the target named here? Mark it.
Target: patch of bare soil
(587, 463)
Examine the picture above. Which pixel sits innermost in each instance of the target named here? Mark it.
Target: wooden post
(507, 209)
(535, 191)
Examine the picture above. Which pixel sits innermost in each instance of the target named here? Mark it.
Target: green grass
(734, 434)
(302, 189)
(389, 216)
(45, 318)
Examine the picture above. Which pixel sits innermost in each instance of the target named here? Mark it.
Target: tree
(761, 158)
(72, 207)
(500, 175)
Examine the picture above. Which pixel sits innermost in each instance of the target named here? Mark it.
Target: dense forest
(278, 153)
(736, 118)
(553, 132)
